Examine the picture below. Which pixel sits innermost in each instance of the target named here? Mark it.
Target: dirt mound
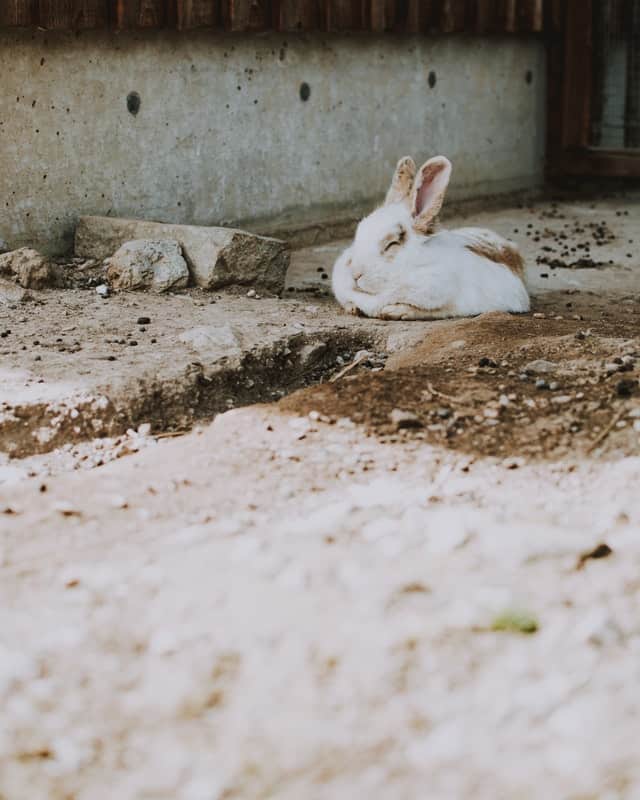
(504, 386)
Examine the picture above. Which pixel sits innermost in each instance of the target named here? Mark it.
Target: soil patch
(536, 385)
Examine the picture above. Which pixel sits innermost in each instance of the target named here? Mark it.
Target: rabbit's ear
(429, 189)
(402, 181)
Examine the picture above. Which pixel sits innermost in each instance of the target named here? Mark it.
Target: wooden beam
(598, 163)
(197, 14)
(18, 13)
(577, 77)
(345, 15)
(246, 15)
(72, 14)
(293, 15)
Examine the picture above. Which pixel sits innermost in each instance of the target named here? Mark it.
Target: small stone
(66, 509)
(143, 321)
(251, 293)
(12, 294)
(486, 362)
(538, 315)
(554, 386)
(103, 290)
(144, 429)
(541, 383)
(148, 264)
(561, 399)
(540, 366)
(405, 419)
(626, 387)
(513, 462)
(27, 267)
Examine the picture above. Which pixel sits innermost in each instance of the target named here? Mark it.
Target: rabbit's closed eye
(394, 239)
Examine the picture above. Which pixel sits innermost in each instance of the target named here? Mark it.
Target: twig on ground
(432, 390)
(349, 367)
(607, 430)
(169, 434)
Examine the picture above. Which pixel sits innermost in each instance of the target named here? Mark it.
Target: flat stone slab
(216, 257)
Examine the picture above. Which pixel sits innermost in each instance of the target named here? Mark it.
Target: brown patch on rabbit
(506, 255)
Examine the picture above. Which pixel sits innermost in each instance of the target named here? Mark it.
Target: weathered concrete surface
(89, 368)
(148, 264)
(223, 137)
(217, 257)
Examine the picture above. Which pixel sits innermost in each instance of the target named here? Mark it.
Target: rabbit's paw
(352, 308)
(401, 311)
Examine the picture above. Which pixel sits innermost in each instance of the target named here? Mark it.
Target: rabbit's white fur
(397, 268)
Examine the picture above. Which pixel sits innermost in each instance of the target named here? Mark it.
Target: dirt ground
(416, 578)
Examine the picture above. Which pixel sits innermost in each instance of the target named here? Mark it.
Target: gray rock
(11, 294)
(217, 340)
(404, 419)
(541, 367)
(148, 264)
(216, 257)
(27, 267)
(4, 247)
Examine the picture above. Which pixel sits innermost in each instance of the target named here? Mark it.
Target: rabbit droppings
(400, 267)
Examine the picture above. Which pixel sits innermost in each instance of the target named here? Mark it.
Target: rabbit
(400, 266)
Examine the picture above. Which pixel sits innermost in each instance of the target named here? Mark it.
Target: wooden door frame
(570, 82)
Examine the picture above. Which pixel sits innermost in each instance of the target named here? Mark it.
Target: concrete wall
(222, 134)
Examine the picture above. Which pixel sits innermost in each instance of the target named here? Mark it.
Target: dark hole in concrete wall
(305, 92)
(529, 76)
(432, 79)
(133, 103)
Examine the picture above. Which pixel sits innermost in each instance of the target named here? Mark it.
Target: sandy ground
(306, 599)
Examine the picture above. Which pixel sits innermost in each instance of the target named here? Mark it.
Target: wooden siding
(395, 16)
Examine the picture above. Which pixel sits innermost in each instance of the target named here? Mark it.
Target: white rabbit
(399, 267)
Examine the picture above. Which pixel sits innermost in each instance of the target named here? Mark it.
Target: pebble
(66, 509)
(540, 366)
(103, 290)
(626, 387)
(405, 419)
(143, 321)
